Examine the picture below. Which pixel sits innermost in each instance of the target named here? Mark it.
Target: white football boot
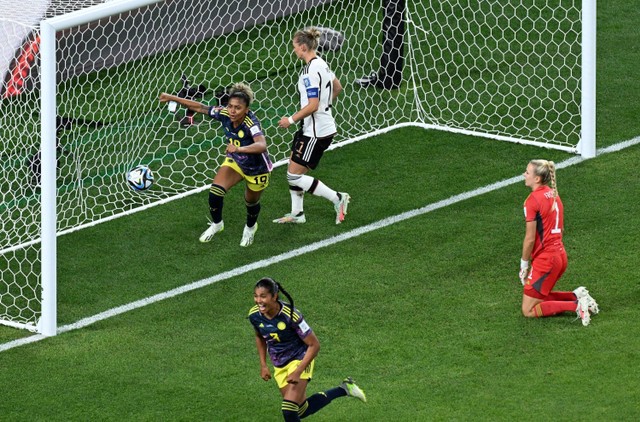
(208, 234)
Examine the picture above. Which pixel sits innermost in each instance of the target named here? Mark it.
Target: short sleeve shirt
(243, 135)
(316, 81)
(284, 334)
(548, 213)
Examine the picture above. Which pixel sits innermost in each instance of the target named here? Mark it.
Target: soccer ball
(140, 178)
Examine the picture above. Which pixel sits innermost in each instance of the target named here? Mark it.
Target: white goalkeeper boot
(581, 292)
(208, 234)
(582, 310)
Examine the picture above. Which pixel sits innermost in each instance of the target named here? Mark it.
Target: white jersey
(316, 81)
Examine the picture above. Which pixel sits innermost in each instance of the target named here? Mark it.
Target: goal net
(505, 69)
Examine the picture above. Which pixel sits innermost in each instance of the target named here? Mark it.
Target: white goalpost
(79, 102)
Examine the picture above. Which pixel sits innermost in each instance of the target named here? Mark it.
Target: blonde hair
(309, 37)
(242, 91)
(546, 171)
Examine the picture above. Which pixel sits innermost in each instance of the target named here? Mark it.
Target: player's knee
(301, 181)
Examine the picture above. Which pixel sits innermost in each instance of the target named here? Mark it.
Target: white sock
(305, 182)
(297, 201)
(326, 192)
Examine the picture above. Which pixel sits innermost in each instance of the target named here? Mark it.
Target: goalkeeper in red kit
(543, 249)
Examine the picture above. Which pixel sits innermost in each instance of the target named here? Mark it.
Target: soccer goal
(81, 82)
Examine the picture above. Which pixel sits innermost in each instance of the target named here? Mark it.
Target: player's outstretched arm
(190, 104)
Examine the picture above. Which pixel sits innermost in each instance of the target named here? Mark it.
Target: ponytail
(552, 177)
(286, 294)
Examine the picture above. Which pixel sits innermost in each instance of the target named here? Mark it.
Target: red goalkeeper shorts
(546, 270)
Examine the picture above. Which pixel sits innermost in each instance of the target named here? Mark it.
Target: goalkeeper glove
(524, 270)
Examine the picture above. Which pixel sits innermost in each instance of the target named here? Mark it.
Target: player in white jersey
(318, 88)
(316, 81)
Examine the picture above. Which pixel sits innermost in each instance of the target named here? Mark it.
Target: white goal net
(506, 69)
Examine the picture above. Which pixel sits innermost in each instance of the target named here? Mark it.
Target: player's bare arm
(190, 104)
(307, 110)
(265, 374)
(337, 89)
(258, 147)
(312, 351)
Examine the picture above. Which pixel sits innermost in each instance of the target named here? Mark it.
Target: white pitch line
(302, 250)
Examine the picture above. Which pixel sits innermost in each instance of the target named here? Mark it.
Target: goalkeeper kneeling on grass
(543, 247)
(246, 157)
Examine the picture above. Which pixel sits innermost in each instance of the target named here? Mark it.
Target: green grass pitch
(424, 313)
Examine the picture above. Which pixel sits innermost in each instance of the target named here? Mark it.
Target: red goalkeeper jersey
(548, 213)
